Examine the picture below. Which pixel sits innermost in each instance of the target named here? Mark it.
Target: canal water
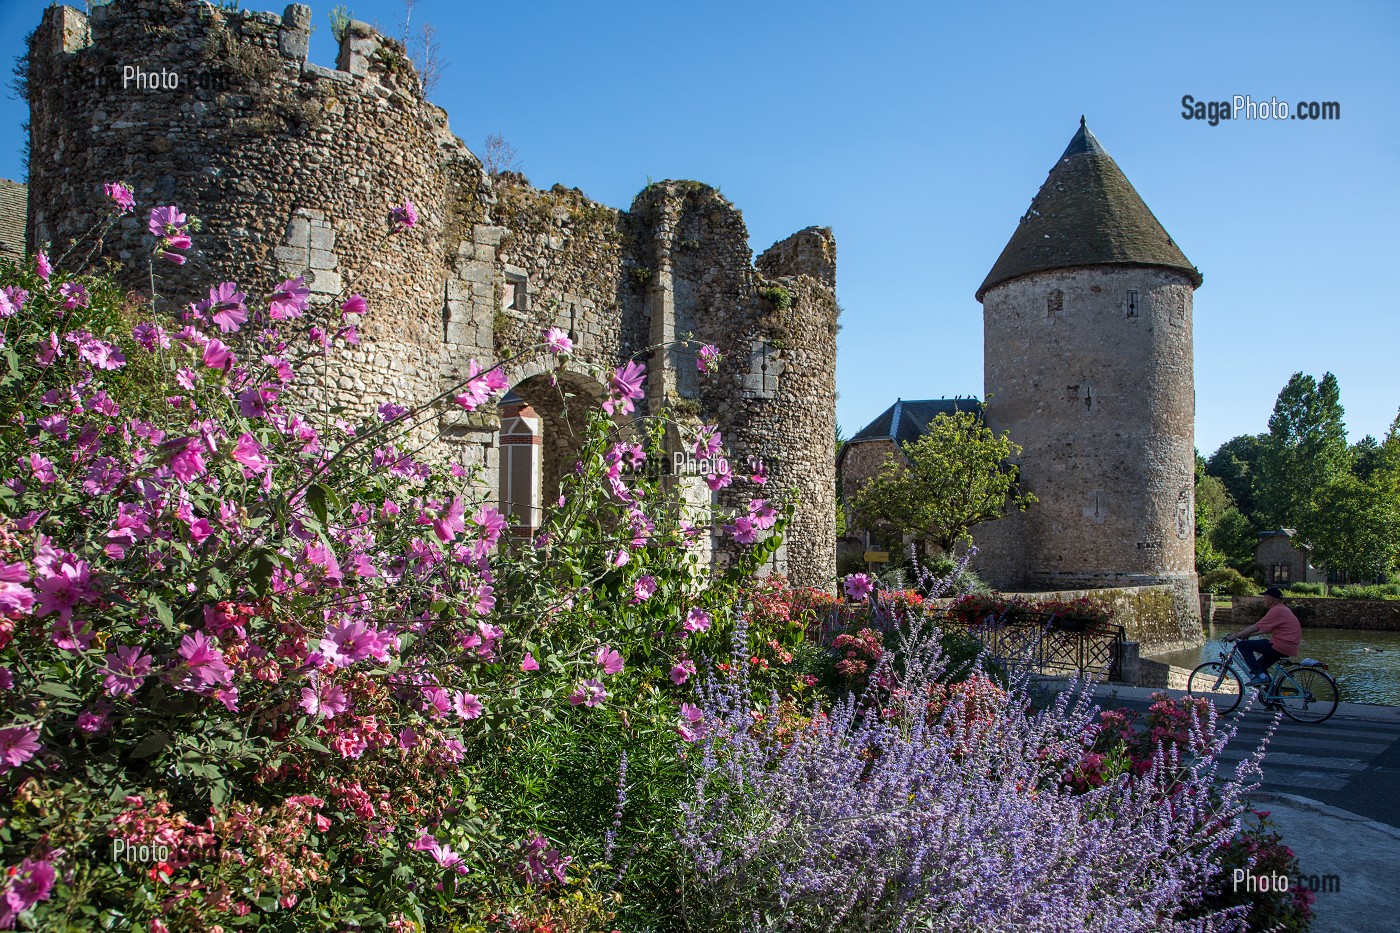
(1366, 664)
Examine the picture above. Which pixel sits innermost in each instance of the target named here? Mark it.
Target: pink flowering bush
(306, 668)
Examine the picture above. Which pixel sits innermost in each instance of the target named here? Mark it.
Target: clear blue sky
(920, 132)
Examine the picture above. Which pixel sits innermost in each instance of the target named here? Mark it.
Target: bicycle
(1303, 690)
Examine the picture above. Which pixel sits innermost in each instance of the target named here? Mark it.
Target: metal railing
(1044, 643)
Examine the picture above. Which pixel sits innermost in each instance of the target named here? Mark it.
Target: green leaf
(306, 741)
(316, 495)
(54, 688)
(150, 745)
(163, 613)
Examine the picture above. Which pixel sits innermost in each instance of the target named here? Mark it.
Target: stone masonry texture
(293, 169)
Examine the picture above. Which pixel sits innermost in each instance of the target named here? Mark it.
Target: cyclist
(1280, 624)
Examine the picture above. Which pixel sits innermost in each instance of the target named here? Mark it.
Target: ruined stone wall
(1090, 371)
(294, 168)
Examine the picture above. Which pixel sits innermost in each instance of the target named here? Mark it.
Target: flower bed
(261, 667)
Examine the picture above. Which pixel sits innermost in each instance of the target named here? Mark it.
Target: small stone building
(863, 455)
(1284, 559)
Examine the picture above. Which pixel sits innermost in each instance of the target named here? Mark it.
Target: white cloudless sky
(921, 131)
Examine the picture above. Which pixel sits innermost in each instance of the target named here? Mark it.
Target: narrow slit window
(1132, 302)
(515, 293)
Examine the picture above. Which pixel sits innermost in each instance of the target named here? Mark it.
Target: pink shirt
(1282, 627)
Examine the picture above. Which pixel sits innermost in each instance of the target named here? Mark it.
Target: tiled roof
(1086, 214)
(14, 200)
(906, 421)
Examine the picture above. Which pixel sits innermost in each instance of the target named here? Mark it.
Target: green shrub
(1356, 591)
(1227, 581)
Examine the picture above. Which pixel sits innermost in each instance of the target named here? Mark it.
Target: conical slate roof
(1086, 214)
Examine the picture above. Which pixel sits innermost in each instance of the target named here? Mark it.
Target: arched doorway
(544, 418)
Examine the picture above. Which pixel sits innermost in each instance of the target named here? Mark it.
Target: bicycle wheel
(1218, 683)
(1306, 694)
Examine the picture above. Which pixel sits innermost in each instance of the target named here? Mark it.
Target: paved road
(1351, 761)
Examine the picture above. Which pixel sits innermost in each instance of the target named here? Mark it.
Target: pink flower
(71, 635)
(709, 359)
(217, 355)
(707, 442)
(63, 586)
(743, 531)
(17, 745)
(74, 295)
(173, 257)
(122, 195)
(859, 586)
(609, 660)
(24, 887)
(466, 705)
(529, 664)
(557, 342)
(692, 727)
(15, 598)
(451, 520)
(441, 854)
(590, 693)
(188, 464)
(682, 671)
(764, 515)
(621, 557)
(288, 299)
(166, 221)
(644, 588)
(626, 387)
(490, 523)
(226, 306)
(436, 702)
(250, 453)
(348, 642)
(697, 620)
(126, 670)
(93, 721)
(721, 477)
(405, 216)
(481, 385)
(102, 354)
(328, 700)
(204, 663)
(42, 265)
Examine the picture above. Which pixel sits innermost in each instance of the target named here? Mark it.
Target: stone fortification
(294, 168)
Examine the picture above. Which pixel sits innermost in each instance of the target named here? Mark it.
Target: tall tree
(1235, 462)
(1354, 527)
(955, 476)
(1305, 450)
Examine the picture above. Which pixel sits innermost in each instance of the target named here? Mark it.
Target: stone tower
(1088, 366)
(293, 169)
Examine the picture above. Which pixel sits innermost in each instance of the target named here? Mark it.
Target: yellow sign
(877, 557)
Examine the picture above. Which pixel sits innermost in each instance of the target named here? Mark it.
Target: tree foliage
(1305, 450)
(1354, 527)
(1235, 463)
(957, 475)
